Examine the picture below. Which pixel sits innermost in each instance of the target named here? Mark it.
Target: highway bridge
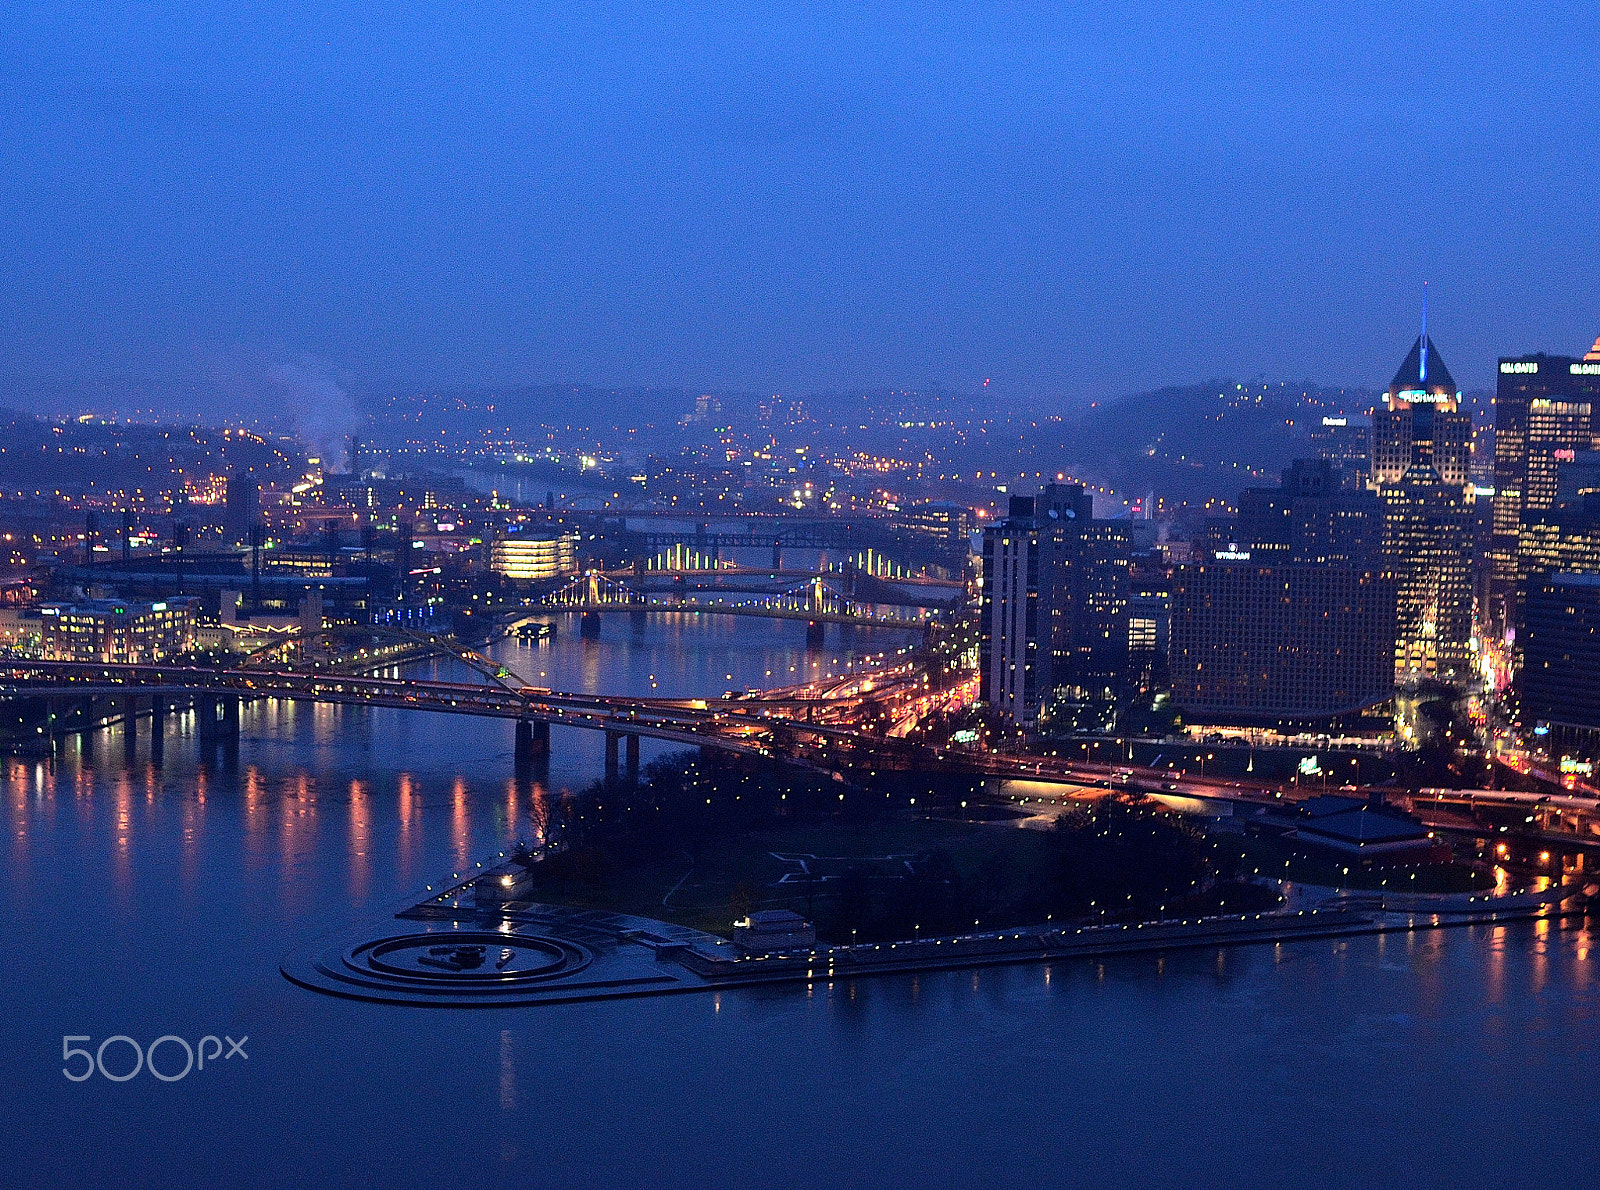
(841, 727)
(216, 693)
(835, 726)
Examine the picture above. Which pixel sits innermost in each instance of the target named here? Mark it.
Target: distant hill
(397, 420)
(1204, 441)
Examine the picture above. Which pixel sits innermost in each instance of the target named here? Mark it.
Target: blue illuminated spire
(1423, 370)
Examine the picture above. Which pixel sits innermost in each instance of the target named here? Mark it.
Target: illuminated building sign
(1581, 768)
(1519, 367)
(1336, 421)
(1565, 454)
(1584, 369)
(1233, 555)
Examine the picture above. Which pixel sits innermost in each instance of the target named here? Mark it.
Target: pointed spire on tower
(1594, 352)
(1423, 370)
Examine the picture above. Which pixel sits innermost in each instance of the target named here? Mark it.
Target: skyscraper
(1309, 518)
(1421, 452)
(1346, 442)
(1544, 414)
(1084, 603)
(1008, 641)
(1427, 550)
(1421, 422)
(243, 505)
(1054, 625)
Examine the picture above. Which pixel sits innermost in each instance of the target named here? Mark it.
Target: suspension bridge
(816, 602)
(681, 559)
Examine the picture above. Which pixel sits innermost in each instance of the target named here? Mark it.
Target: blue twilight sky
(1076, 200)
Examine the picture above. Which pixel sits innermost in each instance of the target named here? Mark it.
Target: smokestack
(180, 538)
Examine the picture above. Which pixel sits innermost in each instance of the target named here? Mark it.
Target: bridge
(217, 694)
(685, 560)
(776, 532)
(815, 602)
(853, 724)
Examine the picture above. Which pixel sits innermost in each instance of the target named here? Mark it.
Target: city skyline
(776, 554)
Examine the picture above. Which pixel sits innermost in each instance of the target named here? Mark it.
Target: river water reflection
(147, 903)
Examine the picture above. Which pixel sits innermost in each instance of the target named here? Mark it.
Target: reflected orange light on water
(360, 838)
(460, 823)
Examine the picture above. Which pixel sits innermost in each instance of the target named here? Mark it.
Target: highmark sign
(1517, 367)
(1584, 369)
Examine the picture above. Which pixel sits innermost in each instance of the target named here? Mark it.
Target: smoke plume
(323, 415)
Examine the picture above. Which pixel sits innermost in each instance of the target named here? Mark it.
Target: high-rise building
(1054, 627)
(1310, 519)
(1421, 422)
(1149, 627)
(1544, 413)
(1084, 596)
(1284, 645)
(1421, 459)
(1563, 538)
(243, 505)
(1346, 442)
(1008, 639)
(1427, 550)
(1559, 684)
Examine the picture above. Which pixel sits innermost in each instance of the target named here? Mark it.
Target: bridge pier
(533, 742)
(777, 555)
(816, 634)
(612, 737)
(631, 770)
(130, 728)
(589, 626)
(205, 717)
(218, 717)
(158, 729)
(85, 727)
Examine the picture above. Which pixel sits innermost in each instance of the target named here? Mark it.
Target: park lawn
(738, 874)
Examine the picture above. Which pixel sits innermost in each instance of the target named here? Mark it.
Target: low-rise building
(535, 555)
(117, 629)
(1358, 832)
(945, 522)
(769, 930)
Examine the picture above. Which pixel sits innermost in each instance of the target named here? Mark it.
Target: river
(145, 904)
